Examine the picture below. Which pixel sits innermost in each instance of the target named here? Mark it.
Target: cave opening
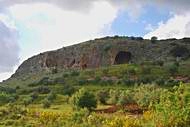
(123, 57)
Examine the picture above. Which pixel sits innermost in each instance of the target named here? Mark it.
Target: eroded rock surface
(102, 52)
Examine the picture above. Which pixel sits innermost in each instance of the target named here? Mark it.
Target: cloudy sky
(28, 27)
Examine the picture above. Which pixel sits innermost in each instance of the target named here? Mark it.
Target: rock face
(103, 52)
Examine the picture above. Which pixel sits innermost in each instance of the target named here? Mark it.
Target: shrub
(160, 81)
(126, 98)
(45, 81)
(84, 99)
(154, 39)
(114, 96)
(159, 62)
(5, 98)
(34, 96)
(171, 83)
(107, 47)
(105, 71)
(68, 90)
(173, 69)
(146, 70)
(172, 109)
(180, 51)
(46, 103)
(74, 73)
(103, 96)
(51, 96)
(54, 70)
(82, 81)
(59, 80)
(96, 80)
(80, 116)
(6, 89)
(131, 71)
(27, 101)
(65, 75)
(42, 90)
(146, 95)
(128, 82)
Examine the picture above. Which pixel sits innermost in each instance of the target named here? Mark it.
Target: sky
(29, 27)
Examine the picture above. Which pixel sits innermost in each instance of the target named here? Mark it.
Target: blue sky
(30, 27)
(124, 24)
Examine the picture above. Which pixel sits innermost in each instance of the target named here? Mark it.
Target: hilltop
(106, 52)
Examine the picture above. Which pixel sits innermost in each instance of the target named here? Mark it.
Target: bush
(80, 116)
(146, 95)
(65, 75)
(107, 47)
(154, 39)
(159, 62)
(34, 96)
(74, 73)
(59, 80)
(171, 83)
(46, 103)
(180, 51)
(27, 101)
(82, 81)
(146, 70)
(7, 90)
(45, 81)
(131, 71)
(128, 82)
(160, 81)
(126, 98)
(54, 70)
(114, 97)
(68, 90)
(103, 96)
(84, 99)
(173, 108)
(6, 98)
(173, 69)
(42, 90)
(51, 96)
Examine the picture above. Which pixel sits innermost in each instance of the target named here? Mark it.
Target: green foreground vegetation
(151, 94)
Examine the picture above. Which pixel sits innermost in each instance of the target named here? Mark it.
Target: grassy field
(150, 94)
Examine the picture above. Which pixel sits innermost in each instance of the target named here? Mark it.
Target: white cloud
(4, 75)
(9, 48)
(51, 27)
(57, 28)
(176, 27)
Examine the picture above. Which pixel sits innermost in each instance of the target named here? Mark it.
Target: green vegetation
(154, 39)
(84, 99)
(151, 94)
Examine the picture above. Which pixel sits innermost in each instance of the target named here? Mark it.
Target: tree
(84, 99)
(154, 39)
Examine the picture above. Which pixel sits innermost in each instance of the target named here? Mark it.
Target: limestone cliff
(104, 52)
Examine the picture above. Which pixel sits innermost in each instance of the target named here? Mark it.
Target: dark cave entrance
(123, 57)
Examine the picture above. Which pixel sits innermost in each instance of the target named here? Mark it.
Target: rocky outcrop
(101, 52)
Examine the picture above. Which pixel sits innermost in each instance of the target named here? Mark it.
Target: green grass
(95, 80)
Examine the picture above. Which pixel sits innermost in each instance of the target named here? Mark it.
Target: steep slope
(104, 52)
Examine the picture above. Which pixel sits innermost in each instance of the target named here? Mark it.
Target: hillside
(105, 52)
(107, 82)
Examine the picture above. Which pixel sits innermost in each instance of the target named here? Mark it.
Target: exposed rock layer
(102, 52)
